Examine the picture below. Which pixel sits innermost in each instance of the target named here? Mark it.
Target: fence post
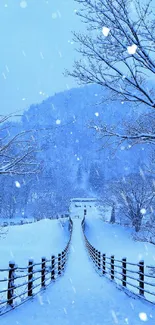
(63, 260)
(103, 263)
(141, 278)
(92, 253)
(124, 272)
(112, 267)
(10, 292)
(96, 257)
(99, 260)
(53, 267)
(43, 270)
(59, 264)
(30, 278)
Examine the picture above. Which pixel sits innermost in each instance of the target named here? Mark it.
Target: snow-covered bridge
(81, 297)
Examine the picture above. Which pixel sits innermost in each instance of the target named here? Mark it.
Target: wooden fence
(22, 283)
(131, 277)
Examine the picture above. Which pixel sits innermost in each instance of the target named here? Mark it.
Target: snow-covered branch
(118, 50)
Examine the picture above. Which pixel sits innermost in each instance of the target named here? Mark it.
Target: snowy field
(117, 240)
(32, 241)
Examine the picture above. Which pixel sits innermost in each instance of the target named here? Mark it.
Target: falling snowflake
(4, 76)
(7, 69)
(23, 4)
(60, 54)
(65, 311)
(132, 49)
(59, 13)
(143, 211)
(17, 184)
(143, 316)
(24, 53)
(54, 15)
(105, 31)
(58, 122)
(96, 114)
(41, 55)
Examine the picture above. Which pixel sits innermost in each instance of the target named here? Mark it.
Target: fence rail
(130, 276)
(22, 283)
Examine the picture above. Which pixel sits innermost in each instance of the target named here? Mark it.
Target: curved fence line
(23, 283)
(129, 276)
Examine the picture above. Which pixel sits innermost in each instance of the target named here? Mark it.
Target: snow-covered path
(81, 297)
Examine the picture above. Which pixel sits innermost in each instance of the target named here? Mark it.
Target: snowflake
(41, 55)
(96, 114)
(54, 15)
(17, 184)
(143, 316)
(143, 211)
(105, 31)
(132, 49)
(58, 122)
(23, 4)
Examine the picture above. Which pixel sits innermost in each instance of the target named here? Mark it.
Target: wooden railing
(131, 277)
(22, 283)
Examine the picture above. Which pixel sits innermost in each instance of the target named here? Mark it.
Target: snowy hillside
(42, 238)
(118, 240)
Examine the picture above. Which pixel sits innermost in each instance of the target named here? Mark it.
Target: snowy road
(81, 297)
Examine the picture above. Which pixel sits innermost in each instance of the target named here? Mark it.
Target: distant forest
(71, 160)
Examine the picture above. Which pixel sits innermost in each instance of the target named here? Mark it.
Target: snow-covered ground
(32, 241)
(118, 240)
(81, 297)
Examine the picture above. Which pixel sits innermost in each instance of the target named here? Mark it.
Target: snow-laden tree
(134, 197)
(117, 52)
(17, 149)
(112, 218)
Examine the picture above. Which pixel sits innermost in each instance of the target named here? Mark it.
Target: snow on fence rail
(131, 277)
(22, 283)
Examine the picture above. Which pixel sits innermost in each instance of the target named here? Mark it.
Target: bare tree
(112, 218)
(118, 54)
(134, 196)
(17, 149)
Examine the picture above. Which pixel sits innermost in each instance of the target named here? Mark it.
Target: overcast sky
(36, 47)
